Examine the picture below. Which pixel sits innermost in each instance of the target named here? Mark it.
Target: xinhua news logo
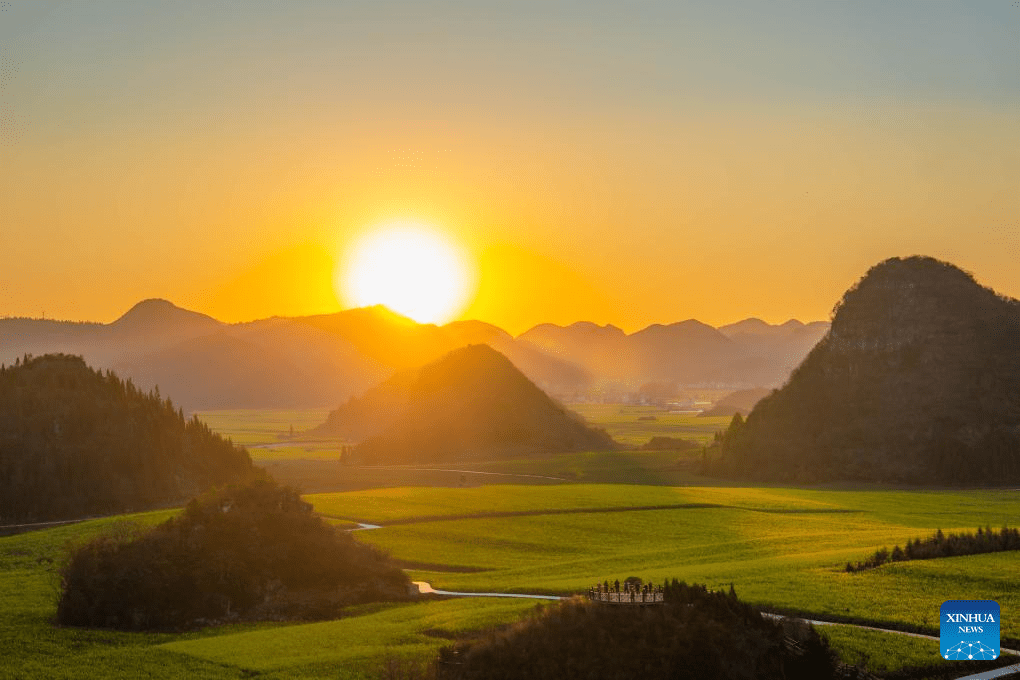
(969, 629)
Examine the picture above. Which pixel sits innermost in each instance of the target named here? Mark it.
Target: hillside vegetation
(251, 552)
(472, 403)
(915, 382)
(75, 442)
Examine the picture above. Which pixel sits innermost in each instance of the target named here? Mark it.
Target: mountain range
(745, 354)
(322, 360)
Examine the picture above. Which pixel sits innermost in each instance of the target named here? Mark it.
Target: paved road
(425, 588)
(1005, 671)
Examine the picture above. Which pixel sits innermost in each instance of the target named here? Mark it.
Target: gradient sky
(628, 163)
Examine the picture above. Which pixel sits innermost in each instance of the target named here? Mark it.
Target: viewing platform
(626, 593)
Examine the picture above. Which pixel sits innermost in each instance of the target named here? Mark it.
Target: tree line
(75, 441)
(986, 540)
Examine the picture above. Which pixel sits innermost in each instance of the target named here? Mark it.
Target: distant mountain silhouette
(747, 353)
(321, 360)
(278, 362)
(759, 328)
(471, 403)
(917, 381)
(155, 315)
(75, 442)
(741, 401)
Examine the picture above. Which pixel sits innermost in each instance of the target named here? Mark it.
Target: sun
(410, 268)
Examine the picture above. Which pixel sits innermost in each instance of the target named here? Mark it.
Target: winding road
(425, 588)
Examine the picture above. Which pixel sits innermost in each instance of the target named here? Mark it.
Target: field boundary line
(598, 510)
(463, 472)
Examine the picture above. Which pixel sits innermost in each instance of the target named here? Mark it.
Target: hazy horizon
(663, 322)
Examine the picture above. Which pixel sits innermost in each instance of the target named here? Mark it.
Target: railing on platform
(627, 594)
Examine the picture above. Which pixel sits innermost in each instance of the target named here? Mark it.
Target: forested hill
(76, 442)
(472, 403)
(917, 381)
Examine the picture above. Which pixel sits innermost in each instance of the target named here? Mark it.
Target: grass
(668, 468)
(623, 423)
(298, 451)
(353, 647)
(384, 506)
(262, 426)
(780, 547)
(31, 646)
(917, 509)
(880, 652)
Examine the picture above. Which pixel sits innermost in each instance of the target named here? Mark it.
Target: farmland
(32, 647)
(779, 547)
(633, 425)
(261, 426)
(313, 464)
(783, 548)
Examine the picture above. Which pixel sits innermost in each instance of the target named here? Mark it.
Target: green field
(623, 423)
(32, 647)
(357, 645)
(881, 651)
(262, 426)
(779, 547)
(783, 547)
(601, 516)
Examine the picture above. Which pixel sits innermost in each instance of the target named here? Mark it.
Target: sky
(625, 163)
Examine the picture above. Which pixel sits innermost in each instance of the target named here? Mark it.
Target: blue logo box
(969, 629)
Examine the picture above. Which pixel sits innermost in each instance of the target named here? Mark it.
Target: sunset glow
(645, 166)
(410, 269)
